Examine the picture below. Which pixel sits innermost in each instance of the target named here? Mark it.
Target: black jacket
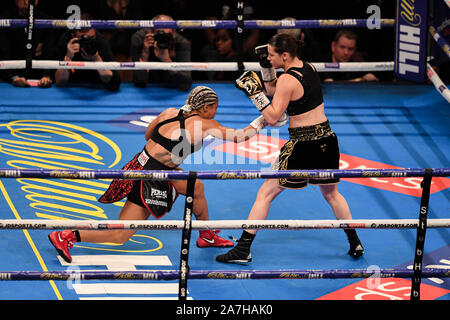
(89, 76)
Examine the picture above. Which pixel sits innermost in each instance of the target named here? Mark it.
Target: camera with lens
(163, 40)
(88, 44)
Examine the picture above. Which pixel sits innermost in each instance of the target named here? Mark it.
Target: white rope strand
(220, 224)
(188, 66)
(438, 84)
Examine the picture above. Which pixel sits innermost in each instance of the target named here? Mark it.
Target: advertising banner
(411, 38)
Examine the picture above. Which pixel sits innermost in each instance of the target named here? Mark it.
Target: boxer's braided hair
(198, 97)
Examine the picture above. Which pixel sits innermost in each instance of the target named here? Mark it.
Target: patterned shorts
(154, 195)
(311, 147)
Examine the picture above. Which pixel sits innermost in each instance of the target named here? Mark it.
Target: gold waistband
(314, 132)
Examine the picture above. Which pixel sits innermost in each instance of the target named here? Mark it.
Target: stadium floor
(378, 125)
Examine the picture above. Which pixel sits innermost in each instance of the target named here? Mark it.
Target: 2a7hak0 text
(223, 309)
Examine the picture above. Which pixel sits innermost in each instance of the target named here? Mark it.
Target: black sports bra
(312, 96)
(183, 146)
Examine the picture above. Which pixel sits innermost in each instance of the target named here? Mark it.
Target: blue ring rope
(219, 174)
(220, 274)
(199, 24)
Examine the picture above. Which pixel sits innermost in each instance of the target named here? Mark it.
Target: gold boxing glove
(251, 85)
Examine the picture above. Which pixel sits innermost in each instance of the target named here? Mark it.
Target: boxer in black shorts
(310, 147)
(171, 137)
(312, 144)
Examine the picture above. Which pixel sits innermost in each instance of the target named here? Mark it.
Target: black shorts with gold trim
(310, 147)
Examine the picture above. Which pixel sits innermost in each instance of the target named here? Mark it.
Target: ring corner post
(186, 236)
(411, 36)
(29, 39)
(240, 36)
(420, 239)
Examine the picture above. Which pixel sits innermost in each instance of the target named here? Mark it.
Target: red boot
(209, 238)
(62, 241)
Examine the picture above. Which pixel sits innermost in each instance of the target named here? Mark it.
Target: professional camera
(88, 44)
(163, 40)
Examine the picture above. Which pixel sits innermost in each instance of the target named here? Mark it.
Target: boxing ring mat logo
(266, 149)
(36, 144)
(399, 288)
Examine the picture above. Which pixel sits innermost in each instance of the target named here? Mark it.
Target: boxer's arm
(215, 129)
(273, 113)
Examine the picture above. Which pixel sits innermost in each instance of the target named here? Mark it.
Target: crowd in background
(205, 45)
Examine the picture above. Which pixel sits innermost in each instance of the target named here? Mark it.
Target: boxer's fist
(251, 85)
(267, 71)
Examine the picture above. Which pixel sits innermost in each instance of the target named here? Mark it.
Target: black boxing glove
(267, 71)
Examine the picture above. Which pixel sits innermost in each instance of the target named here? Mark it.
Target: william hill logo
(408, 14)
(411, 17)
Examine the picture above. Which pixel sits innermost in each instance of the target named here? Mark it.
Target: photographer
(86, 45)
(164, 45)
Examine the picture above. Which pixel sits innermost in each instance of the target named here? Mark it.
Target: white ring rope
(188, 66)
(432, 75)
(220, 224)
(438, 84)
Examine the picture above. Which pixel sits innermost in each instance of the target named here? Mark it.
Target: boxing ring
(421, 224)
(432, 179)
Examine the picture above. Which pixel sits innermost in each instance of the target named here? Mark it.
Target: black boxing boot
(356, 249)
(240, 254)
